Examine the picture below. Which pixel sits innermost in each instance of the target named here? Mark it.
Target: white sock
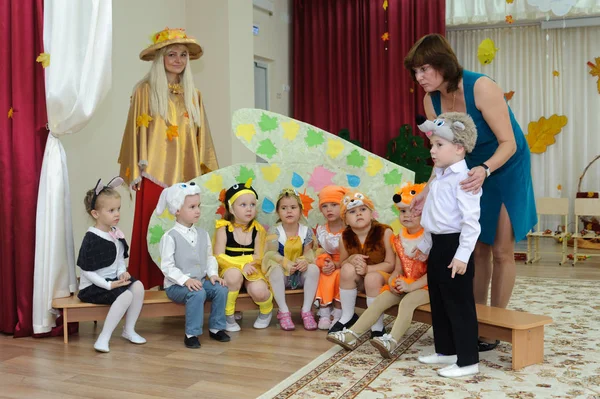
(137, 289)
(325, 312)
(212, 330)
(189, 336)
(337, 313)
(378, 326)
(278, 287)
(311, 281)
(115, 314)
(348, 299)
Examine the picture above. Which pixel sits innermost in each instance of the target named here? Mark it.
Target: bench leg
(65, 326)
(527, 347)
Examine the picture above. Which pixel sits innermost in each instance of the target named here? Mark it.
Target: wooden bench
(524, 330)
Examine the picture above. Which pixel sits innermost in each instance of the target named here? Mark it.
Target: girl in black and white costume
(104, 278)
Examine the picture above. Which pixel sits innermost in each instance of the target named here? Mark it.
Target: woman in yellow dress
(166, 140)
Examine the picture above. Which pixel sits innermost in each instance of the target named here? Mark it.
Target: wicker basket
(589, 223)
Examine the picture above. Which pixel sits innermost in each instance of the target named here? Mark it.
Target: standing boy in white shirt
(451, 222)
(191, 271)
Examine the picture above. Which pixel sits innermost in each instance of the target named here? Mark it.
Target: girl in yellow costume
(239, 243)
(289, 262)
(166, 140)
(407, 286)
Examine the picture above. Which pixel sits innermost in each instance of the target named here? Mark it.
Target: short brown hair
(434, 49)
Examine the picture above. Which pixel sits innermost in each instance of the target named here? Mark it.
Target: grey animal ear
(458, 125)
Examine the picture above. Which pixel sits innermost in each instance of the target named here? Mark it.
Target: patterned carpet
(571, 367)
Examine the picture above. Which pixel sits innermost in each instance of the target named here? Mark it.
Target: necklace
(175, 88)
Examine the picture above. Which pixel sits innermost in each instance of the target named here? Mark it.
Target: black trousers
(453, 314)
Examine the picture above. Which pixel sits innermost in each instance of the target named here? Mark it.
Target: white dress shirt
(449, 209)
(174, 275)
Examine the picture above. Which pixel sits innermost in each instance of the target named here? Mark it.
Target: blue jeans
(194, 305)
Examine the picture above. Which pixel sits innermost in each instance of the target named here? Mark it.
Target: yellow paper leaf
(374, 165)
(127, 172)
(172, 132)
(246, 132)
(270, 173)
(290, 130)
(555, 73)
(10, 112)
(44, 59)
(385, 37)
(541, 133)
(385, 4)
(334, 148)
(215, 183)
(595, 71)
(143, 120)
(167, 215)
(486, 51)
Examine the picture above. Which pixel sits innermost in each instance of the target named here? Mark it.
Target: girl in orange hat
(328, 255)
(166, 139)
(367, 258)
(407, 286)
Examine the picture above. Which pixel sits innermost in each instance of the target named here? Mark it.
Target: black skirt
(101, 296)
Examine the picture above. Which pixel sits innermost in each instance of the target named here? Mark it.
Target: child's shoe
(345, 338)
(134, 337)
(385, 345)
(285, 320)
(101, 346)
(324, 323)
(436, 358)
(263, 320)
(192, 342)
(231, 325)
(455, 371)
(309, 321)
(339, 326)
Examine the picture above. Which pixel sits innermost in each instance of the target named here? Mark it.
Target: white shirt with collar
(449, 209)
(174, 275)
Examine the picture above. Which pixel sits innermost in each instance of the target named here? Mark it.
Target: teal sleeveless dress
(509, 185)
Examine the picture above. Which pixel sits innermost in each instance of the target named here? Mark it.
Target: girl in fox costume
(407, 285)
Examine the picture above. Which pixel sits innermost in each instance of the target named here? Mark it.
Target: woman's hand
(475, 180)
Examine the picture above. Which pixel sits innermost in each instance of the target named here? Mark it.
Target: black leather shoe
(192, 343)
(375, 334)
(338, 326)
(220, 336)
(485, 346)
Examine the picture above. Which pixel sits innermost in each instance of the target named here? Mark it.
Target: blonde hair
(159, 88)
(89, 197)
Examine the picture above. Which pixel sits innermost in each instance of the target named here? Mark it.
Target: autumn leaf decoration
(508, 96)
(595, 71)
(11, 111)
(172, 132)
(44, 59)
(143, 120)
(541, 133)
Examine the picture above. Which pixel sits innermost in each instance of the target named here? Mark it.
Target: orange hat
(353, 200)
(166, 37)
(406, 193)
(333, 194)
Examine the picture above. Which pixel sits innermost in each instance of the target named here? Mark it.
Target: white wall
(273, 45)
(224, 75)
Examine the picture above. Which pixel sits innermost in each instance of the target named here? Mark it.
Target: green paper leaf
(393, 178)
(156, 233)
(314, 138)
(245, 174)
(410, 152)
(355, 159)
(266, 148)
(267, 124)
(395, 210)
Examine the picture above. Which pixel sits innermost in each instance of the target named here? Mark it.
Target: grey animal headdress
(456, 127)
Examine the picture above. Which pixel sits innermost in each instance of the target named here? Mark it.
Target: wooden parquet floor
(249, 365)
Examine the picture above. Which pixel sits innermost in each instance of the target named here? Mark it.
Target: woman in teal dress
(500, 163)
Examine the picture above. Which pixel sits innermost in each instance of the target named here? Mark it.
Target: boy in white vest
(190, 269)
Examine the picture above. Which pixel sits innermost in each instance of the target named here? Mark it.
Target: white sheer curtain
(478, 12)
(524, 63)
(78, 37)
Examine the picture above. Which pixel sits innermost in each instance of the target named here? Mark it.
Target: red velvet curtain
(343, 75)
(22, 140)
